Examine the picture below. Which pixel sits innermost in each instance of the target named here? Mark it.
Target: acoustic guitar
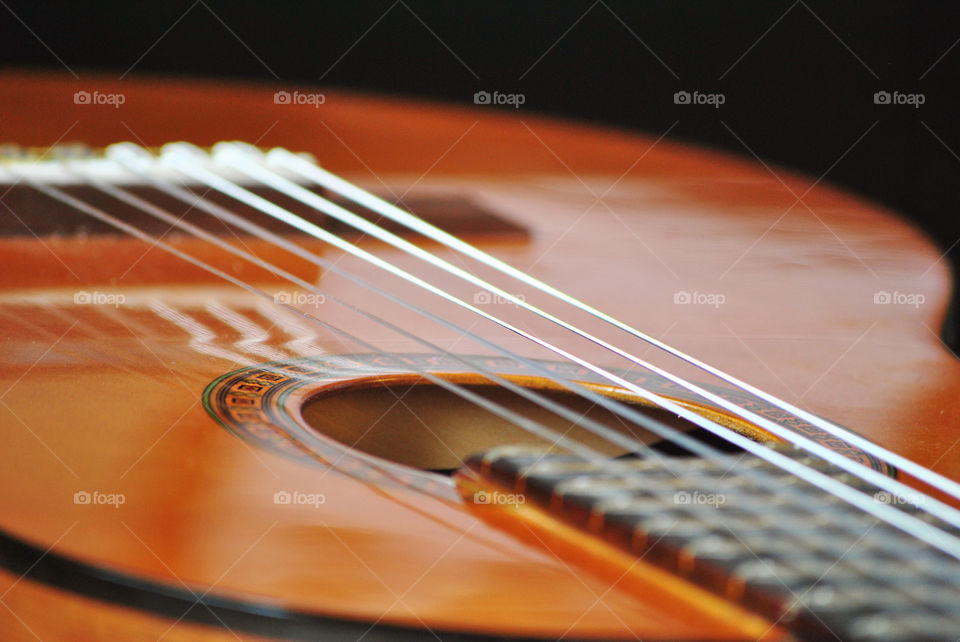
(302, 365)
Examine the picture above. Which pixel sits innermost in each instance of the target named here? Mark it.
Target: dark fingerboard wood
(755, 535)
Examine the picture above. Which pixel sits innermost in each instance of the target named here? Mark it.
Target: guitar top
(387, 370)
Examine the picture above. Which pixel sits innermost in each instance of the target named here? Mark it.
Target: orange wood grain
(108, 400)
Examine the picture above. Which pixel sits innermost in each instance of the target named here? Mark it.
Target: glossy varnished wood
(111, 404)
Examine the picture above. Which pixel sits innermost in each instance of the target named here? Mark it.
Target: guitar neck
(749, 532)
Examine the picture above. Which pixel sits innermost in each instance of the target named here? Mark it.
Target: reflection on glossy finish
(101, 398)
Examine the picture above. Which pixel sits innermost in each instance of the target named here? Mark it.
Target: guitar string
(153, 210)
(898, 489)
(493, 407)
(790, 463)
(545, 433)
(261, 232)
(249, 160)
(186, 158)
(63, 197)
(285, 159)
(187, 197)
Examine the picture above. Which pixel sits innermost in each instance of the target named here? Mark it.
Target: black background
(798, 77)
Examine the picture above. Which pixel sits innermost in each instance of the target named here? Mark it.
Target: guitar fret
(793, 554)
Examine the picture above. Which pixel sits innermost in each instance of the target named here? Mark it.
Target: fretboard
(755, 535)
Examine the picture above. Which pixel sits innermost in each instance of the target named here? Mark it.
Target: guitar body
(709, 252)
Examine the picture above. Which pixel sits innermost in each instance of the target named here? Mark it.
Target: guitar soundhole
(425, 426)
